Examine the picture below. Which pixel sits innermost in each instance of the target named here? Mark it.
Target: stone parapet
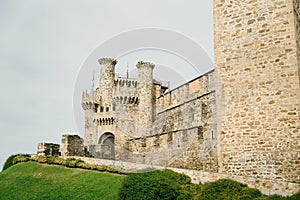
(141, 64)
(104, 61)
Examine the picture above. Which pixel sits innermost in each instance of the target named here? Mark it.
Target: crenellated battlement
(141, 64)
(104, 61)
(86, 97)
(88, 105)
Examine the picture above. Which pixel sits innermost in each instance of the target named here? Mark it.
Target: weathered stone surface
(48, 149)
(147, 125)
(72, 145)
(257, 60)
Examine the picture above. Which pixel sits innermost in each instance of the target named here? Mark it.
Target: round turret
(146, 95)
(106, 82)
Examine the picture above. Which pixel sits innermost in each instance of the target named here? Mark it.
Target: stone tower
(146, 96)
(106, 82)
(90, 135)
(257, 60)
(99, 103)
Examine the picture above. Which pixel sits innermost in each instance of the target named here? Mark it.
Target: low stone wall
(46, 149)
(266, 186)
(71, 145)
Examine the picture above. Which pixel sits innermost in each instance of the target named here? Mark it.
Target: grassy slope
(31, 180)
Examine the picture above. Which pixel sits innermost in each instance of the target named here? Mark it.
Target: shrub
(160, 184)
(278, 197)
(40, 159)
(21, 158)
(13, 159)
(112, 169)
(101, 168)
(249, 193)
(93, 166)
(57, 160)
(272, 197)
(225, 189)
(294, 197)
(9, 162)
(53, 160)
(173, 176)
(73, 162)
(83, 165)
(193, 189)
(50, 159)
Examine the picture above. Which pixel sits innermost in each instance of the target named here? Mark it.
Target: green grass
(31, 180)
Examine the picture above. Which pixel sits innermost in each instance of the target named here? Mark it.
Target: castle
(242, 118)
(140, 120)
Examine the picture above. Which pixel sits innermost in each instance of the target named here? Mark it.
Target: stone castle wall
(183, 132)
(257, 59)
(297, 24)
(175, 128)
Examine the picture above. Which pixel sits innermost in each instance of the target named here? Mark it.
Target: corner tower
(146, 96)
(257, 60)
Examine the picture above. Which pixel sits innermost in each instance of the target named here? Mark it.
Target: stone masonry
(72, 145)
(143, 122)
(240, 120)
(48, 149)
(257, 60)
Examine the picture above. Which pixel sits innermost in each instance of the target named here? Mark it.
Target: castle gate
(107, 145)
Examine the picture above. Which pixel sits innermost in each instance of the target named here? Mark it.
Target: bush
(57, 160)
(112, 169)
(93, 166)
(50, 159)
(193, 189)
(278, 197)
(13, 159)
(226, 189)
(69, 162)
(101, 168)
(83, 165)
(21, 158)
(249, 193)
(294, 197)
(73, 162)
(40, 159)
(160, 184)
(272, 197)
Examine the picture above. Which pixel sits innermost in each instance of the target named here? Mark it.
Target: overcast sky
(43, 45)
